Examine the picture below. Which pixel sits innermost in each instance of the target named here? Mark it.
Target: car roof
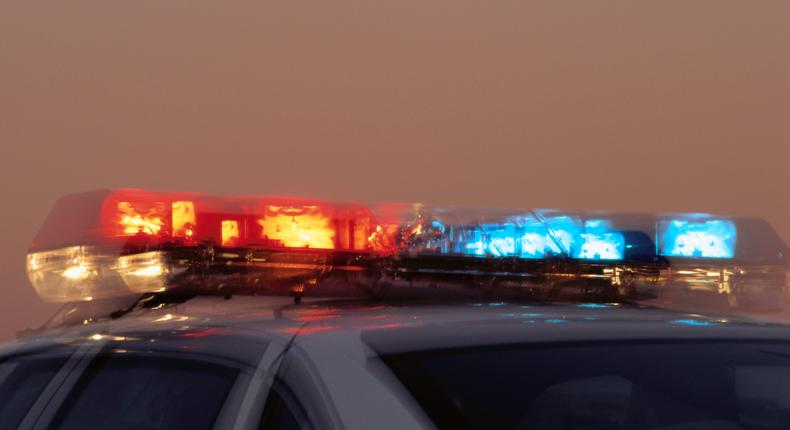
(402, 325)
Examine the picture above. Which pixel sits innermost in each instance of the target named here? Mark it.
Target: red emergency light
(104, 243)
(136, 218)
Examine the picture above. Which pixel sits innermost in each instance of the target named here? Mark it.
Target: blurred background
(620, 105)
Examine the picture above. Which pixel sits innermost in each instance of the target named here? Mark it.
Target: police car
(255, 312)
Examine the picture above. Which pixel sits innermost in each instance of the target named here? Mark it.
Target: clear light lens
(144, 272)
(74, 273)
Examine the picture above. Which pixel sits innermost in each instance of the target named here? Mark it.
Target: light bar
(109, 243)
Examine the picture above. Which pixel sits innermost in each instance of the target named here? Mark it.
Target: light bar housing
(109, 243)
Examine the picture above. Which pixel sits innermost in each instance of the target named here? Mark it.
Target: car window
(277, 415)
(22, 380)
(660, 385)
(134, 392)
(283, 411)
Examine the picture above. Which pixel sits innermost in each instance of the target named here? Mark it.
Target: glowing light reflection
(76, 273)
(148, 272)
(533, 245)
(230, 232)
(183, 215)
(600, 242)
(563, 233)
(594, 306)
(298, 227)
(702, 239)
(697, 323)
(134, 222)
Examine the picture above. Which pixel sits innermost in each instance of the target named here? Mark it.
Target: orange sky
(621, 105)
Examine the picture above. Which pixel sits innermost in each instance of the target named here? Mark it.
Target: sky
(616, 105)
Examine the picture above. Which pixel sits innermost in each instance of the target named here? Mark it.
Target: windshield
(22, 380)
(146, 393)
(612, 385)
